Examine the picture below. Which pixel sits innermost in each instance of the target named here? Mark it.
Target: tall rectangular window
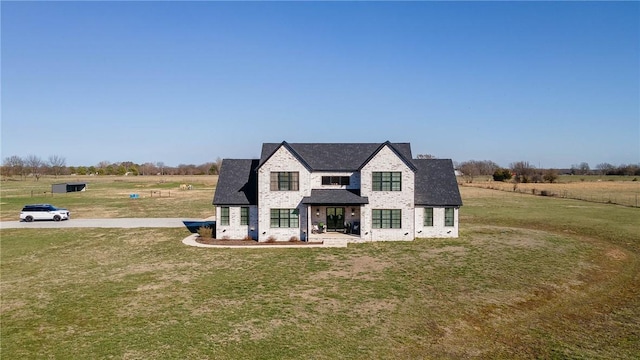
(386, 218)
(284, 218)
(428, 216)
(387, 181)
(244, 216)
(285, 181)
(224, 216)
(448, 216)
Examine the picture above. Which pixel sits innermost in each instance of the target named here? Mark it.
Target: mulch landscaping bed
(211, 241)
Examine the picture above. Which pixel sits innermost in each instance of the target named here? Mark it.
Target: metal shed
(68, 187)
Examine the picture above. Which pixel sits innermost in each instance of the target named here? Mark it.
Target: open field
(108, 196)
(529, 277)
(621, 190)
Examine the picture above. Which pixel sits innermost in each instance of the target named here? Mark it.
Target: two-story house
(372, 192)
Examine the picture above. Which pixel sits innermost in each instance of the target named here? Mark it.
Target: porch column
(308, 221)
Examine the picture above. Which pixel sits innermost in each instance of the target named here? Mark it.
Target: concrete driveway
(97, 223)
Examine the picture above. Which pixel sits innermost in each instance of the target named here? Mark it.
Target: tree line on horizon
(525, 172)
(34, 166)
(520, 171)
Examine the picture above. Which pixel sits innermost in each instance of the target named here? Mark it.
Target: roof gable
(238, 183)
(395, 151)
(336, 156)
(269, 149)
(435, 183)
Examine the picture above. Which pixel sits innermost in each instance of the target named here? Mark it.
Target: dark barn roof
(436, 183)
(238, 183)
(335, 157)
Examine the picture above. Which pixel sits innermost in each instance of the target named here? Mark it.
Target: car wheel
(56, 218)
(28, 219)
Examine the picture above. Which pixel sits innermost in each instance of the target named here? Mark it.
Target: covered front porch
(334, 213)
(333, 237)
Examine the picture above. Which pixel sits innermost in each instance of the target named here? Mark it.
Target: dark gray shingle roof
(436, 183)
(334, 197)
(335, 157)
(238, 183)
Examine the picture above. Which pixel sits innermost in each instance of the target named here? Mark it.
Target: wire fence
(628, 197)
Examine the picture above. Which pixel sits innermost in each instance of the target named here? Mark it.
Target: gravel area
(97, 223)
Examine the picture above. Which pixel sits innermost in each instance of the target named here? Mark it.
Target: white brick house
(369, 192)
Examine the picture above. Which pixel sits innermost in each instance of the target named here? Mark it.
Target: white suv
(43, 212)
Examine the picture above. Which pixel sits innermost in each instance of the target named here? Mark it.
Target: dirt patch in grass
(617, 254)
(361, 267)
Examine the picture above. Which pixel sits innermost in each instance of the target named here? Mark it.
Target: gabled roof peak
(335, 156)
(388, 144)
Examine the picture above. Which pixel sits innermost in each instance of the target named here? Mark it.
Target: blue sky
(552, 83)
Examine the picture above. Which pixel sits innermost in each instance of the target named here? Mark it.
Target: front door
(335, 219)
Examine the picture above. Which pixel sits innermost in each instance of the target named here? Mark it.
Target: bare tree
(523, 171)
(473, 168)
(34, 163)
(425, 156)
(581, 169)
(584, 168)
(550, 175)
(14, 165)
(189, 169)
(160, 166)
(57, 163)
(148, 169)
(605, 168)
(470, 169)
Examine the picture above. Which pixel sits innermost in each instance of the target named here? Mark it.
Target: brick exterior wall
(438, 230)
(387, 160)
(281, 160)
(234, 230)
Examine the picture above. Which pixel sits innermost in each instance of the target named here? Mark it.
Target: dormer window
(335, 180)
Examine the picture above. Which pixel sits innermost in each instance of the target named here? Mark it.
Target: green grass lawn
(529, 277)
(108, 196)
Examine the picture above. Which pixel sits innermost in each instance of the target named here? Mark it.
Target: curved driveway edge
(96, 223)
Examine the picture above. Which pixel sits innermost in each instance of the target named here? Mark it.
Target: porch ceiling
(334, 197)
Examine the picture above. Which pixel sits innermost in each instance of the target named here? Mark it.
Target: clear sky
(552, 83)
